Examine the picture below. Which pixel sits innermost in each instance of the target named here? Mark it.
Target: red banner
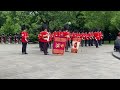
(59, 45)
(75, 45)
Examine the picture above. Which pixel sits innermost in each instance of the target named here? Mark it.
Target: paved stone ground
(89, 63)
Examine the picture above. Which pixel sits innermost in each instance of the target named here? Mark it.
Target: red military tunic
(74, 35)
(45, 36)
(101, 35)
(79, 35)
(66, 35)
(97, 35)
(55, 34)
(86, 36)
(90, 35)
(24, 37)
(60, 33)
(83, 36)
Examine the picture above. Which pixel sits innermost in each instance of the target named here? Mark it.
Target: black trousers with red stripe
(24, 46)
(45, 47)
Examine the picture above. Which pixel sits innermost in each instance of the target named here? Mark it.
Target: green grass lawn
(107, 42)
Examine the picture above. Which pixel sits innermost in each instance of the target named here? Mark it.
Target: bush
(33, 38)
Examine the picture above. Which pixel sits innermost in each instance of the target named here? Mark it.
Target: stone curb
(116, 56)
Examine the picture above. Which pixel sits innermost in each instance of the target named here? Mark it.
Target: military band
(46, 38)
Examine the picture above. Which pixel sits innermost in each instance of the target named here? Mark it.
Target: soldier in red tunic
(101, 38)
(97, 37)
(83, 38)
(55, 34)
(92, 38)
(24, 39)
(45, 40)
(67, 36)
(40, 43)
(86, 38)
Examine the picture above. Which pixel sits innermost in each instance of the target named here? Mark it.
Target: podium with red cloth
(75, 45)
(59, 45)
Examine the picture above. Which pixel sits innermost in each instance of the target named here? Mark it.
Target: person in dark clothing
(109, 37)
(117, 43)
(0, 38)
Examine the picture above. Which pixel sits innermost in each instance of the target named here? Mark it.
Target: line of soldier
(87, 38)
(46, 38)
(4, 39)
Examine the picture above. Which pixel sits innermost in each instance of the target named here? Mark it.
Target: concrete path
(88, 63)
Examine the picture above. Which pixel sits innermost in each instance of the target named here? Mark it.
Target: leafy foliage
(11, 21)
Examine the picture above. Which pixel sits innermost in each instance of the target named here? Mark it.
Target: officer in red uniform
(60, 33)
(101, 38)
(96, 35)
(86, 38)
(55, 34)
(45, 40)
(24, 39)
(40, 43)
(66, 34)
(90, 41)
(92, 38)
(83, 38)
(73, 35)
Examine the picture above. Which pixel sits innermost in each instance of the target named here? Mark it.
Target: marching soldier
(74, 35)
(83, 38)
(98, 38)
(24, 39)
(96, 35)
(66, 34)
(101, 38)
(92, 38)
(89, 36)
(55, 34)
(40, 43)
(45, 40)
(86, 39)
